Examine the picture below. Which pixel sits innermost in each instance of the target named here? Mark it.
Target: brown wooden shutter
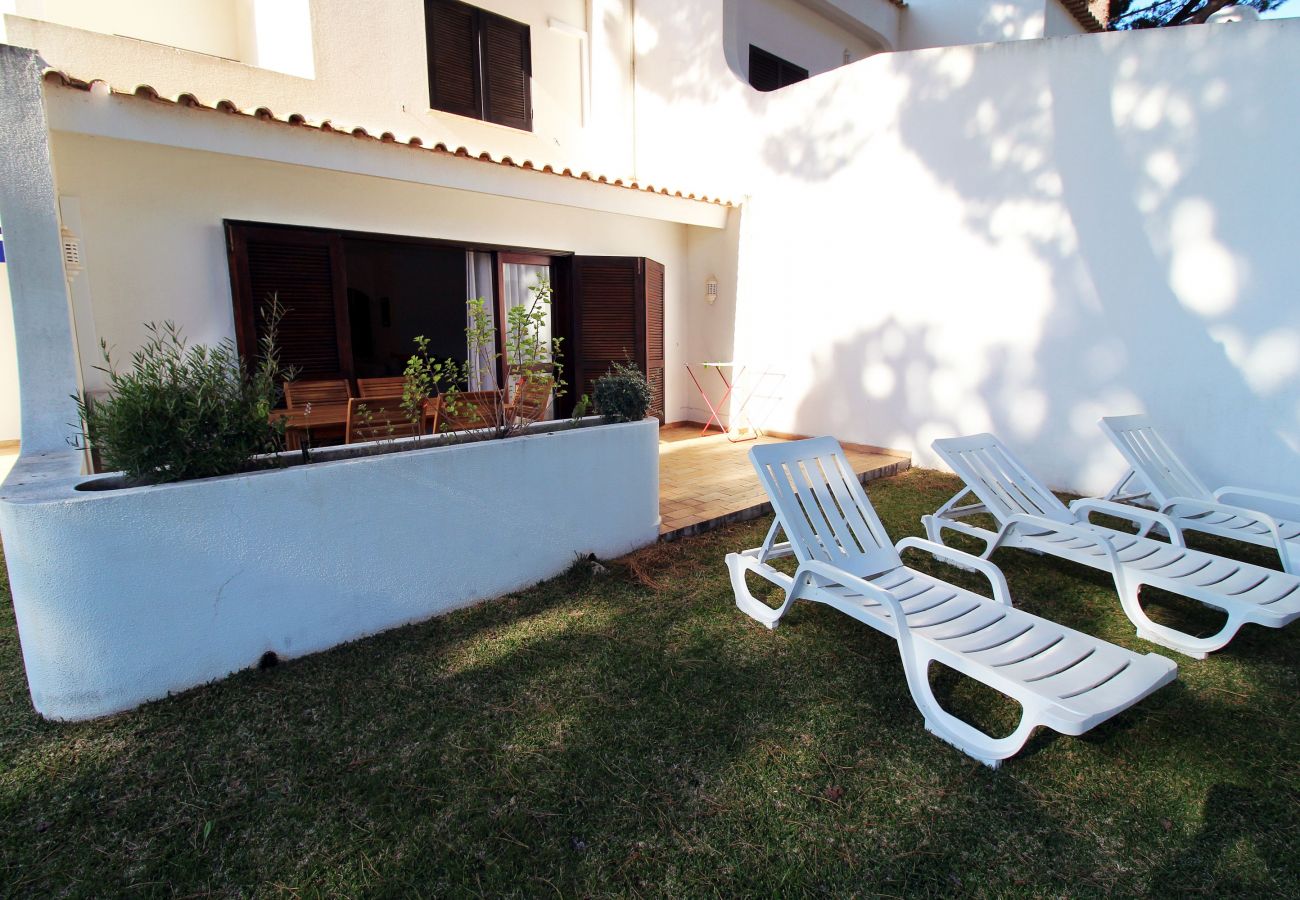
(451, 35)
(305, 270)
(604, 317)
(618, 316)
(768, 72)
(654, 335)
(507, 71)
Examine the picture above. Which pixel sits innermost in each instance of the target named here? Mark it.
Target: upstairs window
(767, 71)
(480, 64)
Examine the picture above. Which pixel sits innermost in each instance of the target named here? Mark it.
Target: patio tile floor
(707, 482)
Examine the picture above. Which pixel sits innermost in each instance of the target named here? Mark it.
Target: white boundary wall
(124, 596)
(1019, 237)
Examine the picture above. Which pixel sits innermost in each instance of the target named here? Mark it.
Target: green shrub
(622, 394)
(184, 412)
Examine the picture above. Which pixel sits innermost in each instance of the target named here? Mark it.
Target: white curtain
(519, 279)
(478, 271)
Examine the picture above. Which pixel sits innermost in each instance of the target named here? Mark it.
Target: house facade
(909, 209)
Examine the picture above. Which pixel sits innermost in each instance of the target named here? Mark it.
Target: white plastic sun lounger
(1030, 516)
(1157, 477)
(1062, 679)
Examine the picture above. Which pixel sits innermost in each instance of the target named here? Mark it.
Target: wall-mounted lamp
(711, 289)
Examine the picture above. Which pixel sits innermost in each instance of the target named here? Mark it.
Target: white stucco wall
(946, 23)
(205, 26)
(1021, 237)
(1059, 21)
(124, 596)
(151, 256)
(10, 415)
(795, 32)
(371, 70)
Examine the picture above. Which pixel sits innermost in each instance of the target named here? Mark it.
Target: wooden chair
(381, 387)
(532, 397)
(378, 418)
(298, 394)
(470, 409)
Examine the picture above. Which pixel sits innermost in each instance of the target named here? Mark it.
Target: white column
(47, 364)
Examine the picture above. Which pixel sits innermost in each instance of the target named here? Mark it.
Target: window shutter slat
(450, 30)
(507, 98)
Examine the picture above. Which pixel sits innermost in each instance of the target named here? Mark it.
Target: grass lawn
(634, 733)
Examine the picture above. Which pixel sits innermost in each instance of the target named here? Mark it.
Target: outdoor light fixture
(72, 265)
(711, 289)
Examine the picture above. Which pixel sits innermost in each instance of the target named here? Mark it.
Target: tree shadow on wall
(1083, 163)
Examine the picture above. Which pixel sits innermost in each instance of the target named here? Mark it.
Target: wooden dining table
(327, 420)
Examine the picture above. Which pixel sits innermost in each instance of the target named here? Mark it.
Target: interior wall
(153, 256)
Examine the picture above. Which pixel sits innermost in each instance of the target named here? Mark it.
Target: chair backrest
(822, 507)
(381, 387)
(377, 419)
(532, 396)
(1142, 447)
(998, 479)
(463, 410)
(298, 394)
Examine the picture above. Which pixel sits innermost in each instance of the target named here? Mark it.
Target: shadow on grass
(596, 735)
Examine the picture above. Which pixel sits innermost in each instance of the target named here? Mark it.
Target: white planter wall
(124, 596)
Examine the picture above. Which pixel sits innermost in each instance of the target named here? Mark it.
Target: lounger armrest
(862, 586)
(1084, 507)
(1271, 496)
(1001, 592)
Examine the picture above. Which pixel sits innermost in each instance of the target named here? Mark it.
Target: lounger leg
(740, 563)
(965, 737)
(1172, 638)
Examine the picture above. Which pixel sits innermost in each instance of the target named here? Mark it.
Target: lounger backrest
(822, 507)
(1151, 458)
(1001, 483)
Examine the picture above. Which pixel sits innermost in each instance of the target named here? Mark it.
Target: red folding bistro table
(730, 386)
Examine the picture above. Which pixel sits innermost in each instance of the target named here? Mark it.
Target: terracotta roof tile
(262, 113)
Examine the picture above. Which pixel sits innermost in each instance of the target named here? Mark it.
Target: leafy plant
(183, 411)
(582, 407)
(623, 394)
(427, 377)
(532, 360)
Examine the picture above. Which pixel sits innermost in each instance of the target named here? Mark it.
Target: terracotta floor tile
(703, 479)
